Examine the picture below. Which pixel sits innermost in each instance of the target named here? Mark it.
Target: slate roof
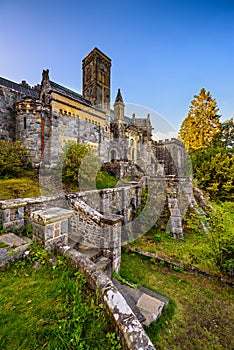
(126, 119)
(69, 93)
(27, 91)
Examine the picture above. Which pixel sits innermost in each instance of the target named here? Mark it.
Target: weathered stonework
(44, 118)
(50, 226)
(129, 330)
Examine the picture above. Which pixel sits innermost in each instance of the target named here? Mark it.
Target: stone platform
(12, 248)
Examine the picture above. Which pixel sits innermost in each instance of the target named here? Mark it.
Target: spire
(119, 97)
(119, 107)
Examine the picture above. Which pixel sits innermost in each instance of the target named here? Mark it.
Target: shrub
(221, 241)
(81, 166)
(14, 159)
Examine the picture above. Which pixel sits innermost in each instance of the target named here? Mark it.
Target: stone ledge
(95, 215)
(50, 215)
(22, 202)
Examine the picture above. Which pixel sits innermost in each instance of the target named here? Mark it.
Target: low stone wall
(118, 200)
(91, 228)
(15, 213)
(129, 330)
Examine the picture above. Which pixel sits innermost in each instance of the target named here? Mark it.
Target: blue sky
(163, 51)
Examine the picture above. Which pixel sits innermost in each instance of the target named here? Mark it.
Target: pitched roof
(27, 91)
(69, 93)
(127, 120)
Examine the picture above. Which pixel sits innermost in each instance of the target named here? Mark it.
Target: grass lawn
(200, 312)
(43, 306)
(23, 187)
(195, 249)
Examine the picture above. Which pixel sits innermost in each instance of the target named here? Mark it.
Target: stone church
(46, 116)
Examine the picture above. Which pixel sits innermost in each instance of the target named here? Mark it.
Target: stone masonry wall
(7, 115)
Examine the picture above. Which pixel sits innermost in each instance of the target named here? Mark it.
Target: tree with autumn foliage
(202, 123)
(210, 146)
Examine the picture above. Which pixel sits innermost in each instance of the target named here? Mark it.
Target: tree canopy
(14, 159)
(210, 146)
(202, 122)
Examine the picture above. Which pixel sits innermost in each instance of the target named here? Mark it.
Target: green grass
(200, 312)
(19, 188)
(195, 249)
(50, 307)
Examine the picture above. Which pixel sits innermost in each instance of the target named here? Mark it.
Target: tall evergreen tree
(202, 123)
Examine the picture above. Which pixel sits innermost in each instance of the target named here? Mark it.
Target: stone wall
(15, 213)
(173, 156)
(7, 114)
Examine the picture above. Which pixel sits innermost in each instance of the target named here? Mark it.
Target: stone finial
(45, 74)
(133, 116)
(148, 116)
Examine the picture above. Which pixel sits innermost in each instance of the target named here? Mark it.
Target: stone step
(103, 263)
(146, 304)
(128, 296)
(91, 252)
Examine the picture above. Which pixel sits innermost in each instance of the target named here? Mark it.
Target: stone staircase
(145, 304)
(94, 254)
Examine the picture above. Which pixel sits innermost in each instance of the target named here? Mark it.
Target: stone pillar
(50, 226)
(12, 217)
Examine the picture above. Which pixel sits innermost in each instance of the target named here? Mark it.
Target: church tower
(119, 107)
(96, 79)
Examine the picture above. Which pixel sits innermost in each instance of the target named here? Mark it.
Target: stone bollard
(50, 226)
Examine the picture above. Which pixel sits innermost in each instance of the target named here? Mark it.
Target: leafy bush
(221, 240)
(14, 159)
(105, 180)
(81, 167)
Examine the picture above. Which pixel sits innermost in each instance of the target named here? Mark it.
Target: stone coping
(50, 215)
(95, 215)
(22, 202)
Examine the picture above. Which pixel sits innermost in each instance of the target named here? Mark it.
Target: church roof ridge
(68, 92)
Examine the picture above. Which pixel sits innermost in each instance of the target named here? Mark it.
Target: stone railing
(129, 330)
(93, 229)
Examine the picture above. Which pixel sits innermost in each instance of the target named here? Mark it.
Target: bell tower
(96, 79)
